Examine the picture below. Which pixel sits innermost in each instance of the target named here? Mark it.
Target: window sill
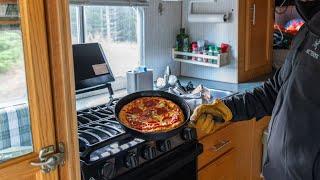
(96, 98)
(13, 103)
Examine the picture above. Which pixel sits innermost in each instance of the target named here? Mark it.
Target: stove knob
(165, 145)
(131, 160)
(149, 152)
(189, 134)
(108, 171)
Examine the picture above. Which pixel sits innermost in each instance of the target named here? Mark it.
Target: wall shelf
(219, 60)
(9, 21)
(8, 1)
(9, 12)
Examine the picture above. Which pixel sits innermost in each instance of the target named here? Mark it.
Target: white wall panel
(215, 33)
(160, 35)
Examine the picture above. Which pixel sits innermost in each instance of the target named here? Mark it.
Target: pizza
(151, 114)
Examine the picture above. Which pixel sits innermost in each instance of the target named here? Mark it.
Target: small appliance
(140, 79)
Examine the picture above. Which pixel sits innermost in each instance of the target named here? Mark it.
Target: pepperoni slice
(151, 102)
(161, 111)
(135, 110)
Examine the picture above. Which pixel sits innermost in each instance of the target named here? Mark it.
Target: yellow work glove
(203, 115)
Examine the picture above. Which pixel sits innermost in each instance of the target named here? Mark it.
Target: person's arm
(261, 100)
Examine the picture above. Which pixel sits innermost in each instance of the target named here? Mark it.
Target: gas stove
(107, 151)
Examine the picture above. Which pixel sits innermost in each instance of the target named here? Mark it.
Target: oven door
(179, 163)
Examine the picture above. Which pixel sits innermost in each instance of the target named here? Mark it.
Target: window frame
(120, 82)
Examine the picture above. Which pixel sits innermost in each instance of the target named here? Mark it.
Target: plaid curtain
(15, 128)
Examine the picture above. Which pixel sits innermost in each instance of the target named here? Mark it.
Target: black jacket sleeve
(261, 100)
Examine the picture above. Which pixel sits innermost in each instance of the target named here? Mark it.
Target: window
(75, 25)
(14, 91)
(117, 29)
(15, 133)
(11, 65)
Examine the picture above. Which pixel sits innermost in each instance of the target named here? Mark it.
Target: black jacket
(292, 97)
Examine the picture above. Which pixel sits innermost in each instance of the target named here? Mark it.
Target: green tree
(117, 22)
(10, 49)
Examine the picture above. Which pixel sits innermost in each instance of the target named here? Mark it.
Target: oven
(180, 163)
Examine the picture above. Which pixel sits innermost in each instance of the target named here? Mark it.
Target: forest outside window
(12, 71)
(15, 131)
(119, 31)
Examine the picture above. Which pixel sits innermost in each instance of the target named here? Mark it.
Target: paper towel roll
(207, 17)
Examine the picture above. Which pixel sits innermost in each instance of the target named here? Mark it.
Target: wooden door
(258, 30)
(221, 169)
(38, 109)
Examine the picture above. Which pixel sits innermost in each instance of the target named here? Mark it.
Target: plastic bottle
(194, 48)
(182, 41)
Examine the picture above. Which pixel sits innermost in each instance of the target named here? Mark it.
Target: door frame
(39, 88)
(63, 86)
(51, 92)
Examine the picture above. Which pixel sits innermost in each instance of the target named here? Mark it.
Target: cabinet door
(259, 17)
(259, 127)
(221, 169)
(27, 114)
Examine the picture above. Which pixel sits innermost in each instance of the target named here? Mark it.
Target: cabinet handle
(253, 9)
(220, 145)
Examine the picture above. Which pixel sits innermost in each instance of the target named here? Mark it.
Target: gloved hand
(204, 115)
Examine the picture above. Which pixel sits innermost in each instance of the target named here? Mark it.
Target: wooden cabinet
(248, 140)
(216, 145)
(256, 19)
(256, 161)
(219, 155)
(233, 152)
(221, 169)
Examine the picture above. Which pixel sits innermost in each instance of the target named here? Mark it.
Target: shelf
(221, 59)
(9, 21)
(8, 1)
(9, 12)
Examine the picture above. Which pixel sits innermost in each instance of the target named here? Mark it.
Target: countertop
(234, 87)
(98, 98)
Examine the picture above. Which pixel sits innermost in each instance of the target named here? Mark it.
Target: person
(292, 97)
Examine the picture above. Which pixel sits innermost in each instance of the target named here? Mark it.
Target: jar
(201, 44)
(211, 52)
(194, 49)
(205, 52)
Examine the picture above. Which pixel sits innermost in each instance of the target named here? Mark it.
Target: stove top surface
(100, 135)
(107, 150)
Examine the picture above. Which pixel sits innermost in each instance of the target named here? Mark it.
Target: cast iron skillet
(159, 135)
